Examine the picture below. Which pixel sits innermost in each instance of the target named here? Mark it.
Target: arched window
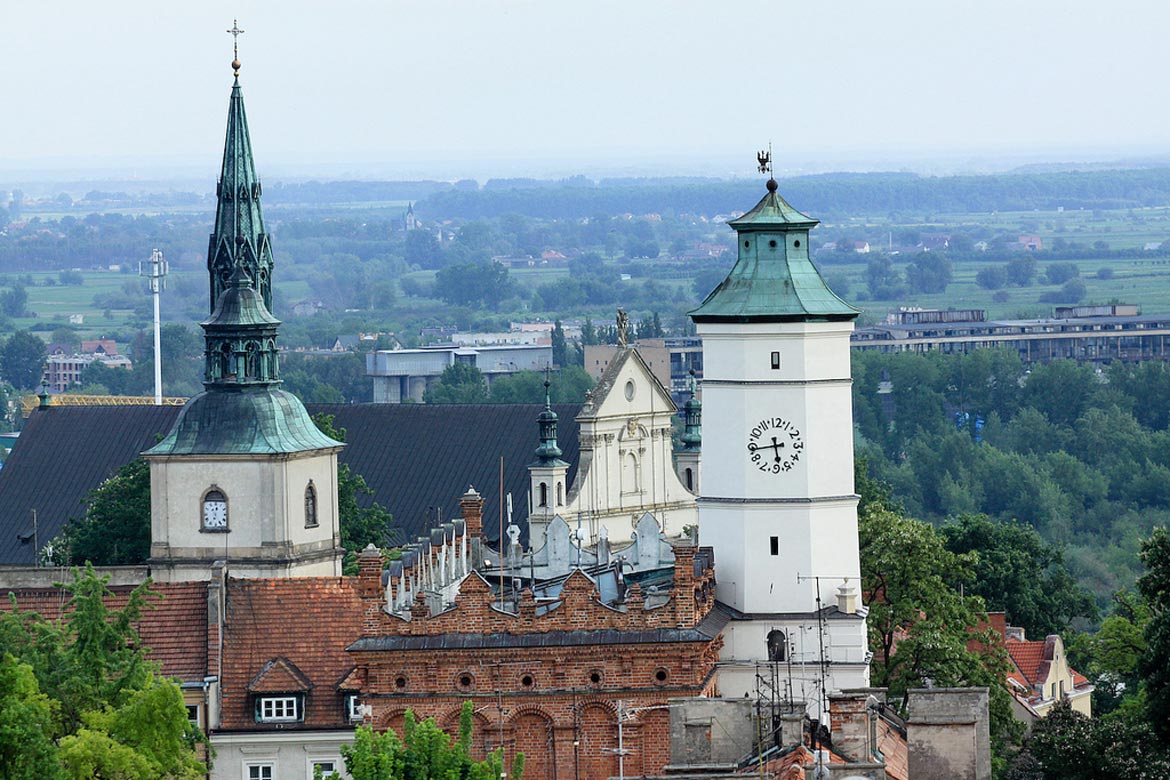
(777, 645)
(543, 494)
(560, 494)
(690, 479)
(630, 473)
(310, 506)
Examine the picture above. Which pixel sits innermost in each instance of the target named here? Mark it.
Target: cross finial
(235, 32)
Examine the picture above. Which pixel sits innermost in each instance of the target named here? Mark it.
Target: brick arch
(391, 719)
(530, 731)
(652, 742)
(598, 734)
(480, 727)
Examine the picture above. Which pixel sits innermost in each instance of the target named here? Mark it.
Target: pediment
(629, 389)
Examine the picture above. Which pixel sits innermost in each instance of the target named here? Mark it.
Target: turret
(687, 456)
(547, 474)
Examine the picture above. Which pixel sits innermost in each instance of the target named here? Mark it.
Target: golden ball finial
(236, 66)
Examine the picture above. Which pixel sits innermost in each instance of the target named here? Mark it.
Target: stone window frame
(254, 770)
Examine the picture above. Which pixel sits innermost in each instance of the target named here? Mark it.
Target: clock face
(214, 513)
(774, 445)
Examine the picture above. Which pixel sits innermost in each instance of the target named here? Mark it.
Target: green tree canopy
(460, 383)
(22, 360)
(83, 682)
(115, 529)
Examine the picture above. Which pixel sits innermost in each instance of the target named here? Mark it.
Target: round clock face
(214, 513)
(774, 445)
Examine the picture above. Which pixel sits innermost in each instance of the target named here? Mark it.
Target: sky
(481, 88)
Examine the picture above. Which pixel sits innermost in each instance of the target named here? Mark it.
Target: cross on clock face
(774, 445)
(215, 511)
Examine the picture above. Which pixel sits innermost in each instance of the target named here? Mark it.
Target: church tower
(548, 474)
(244, 475)
(777, 499)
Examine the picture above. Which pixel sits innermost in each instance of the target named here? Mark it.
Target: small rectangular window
(775, 545)
(775, 361)
(353, 707)
(327, 768)
(193, 715)
(259, 772)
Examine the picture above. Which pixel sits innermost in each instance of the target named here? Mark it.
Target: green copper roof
(773, 279)
(238, 305)
(772, 212)
(248, 420)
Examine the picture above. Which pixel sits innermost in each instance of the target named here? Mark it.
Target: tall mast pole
(156, 279)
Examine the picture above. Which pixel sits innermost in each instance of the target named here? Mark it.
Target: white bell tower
(777, 499)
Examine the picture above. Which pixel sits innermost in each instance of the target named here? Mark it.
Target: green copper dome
(246, 420)
(773, 279)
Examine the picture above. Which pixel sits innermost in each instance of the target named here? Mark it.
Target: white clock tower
(777, 499)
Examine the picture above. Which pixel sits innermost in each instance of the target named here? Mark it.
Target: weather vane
(235, 32)
(764, 158)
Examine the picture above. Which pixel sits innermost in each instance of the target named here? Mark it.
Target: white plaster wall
(291, 754)
(600, 493)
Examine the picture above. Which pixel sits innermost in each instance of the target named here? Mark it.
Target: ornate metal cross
(235, 32)
(764, 158)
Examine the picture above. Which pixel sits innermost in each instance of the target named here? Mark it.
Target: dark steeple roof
(548, 453)
(239, 238)
(243, 410)
(773, 279)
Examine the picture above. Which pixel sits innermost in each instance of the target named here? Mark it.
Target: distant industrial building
(63, 371)
(1087, 334)
(403, 375)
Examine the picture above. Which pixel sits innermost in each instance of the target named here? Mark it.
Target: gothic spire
(239, 238)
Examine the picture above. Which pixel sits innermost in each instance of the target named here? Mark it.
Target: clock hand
(776, 445)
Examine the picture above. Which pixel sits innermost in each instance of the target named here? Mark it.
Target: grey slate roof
(414, 457)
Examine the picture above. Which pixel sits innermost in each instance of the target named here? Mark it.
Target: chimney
(684, 586)
(1015, 632)
(948, 734)
(853, 714)
(471, 508)
(847, 600)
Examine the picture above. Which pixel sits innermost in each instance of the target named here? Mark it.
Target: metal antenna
(155, 274)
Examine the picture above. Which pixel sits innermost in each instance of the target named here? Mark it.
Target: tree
(14, 302)
(423, 751)
(109, 711)
(460, 383)
(559, 352)
(568, 386)
(473, 284)
(929, 272)
(422, 249)
(27, 752)
(1059, 273)
(115, 529)
(1154, 586)
(993, 277)
(1015, 571)
(22, 360)
(881, 278)
(1021, 270)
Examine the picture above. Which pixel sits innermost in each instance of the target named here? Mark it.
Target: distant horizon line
(551, 167)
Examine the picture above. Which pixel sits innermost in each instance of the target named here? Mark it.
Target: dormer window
(279, 709)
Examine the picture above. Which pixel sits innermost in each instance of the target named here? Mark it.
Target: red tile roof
(280, 675)
(1028, 658)
(173, 627)
(306, 623)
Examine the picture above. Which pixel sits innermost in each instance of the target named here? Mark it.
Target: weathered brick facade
(546, 679)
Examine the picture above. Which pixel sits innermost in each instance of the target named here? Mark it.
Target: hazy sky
(504, 87)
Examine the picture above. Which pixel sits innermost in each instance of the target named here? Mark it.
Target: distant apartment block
(1087, 334)
(64, 371)
(403, 375)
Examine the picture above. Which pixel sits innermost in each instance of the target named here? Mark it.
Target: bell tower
(777, 499)
(244, 475)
